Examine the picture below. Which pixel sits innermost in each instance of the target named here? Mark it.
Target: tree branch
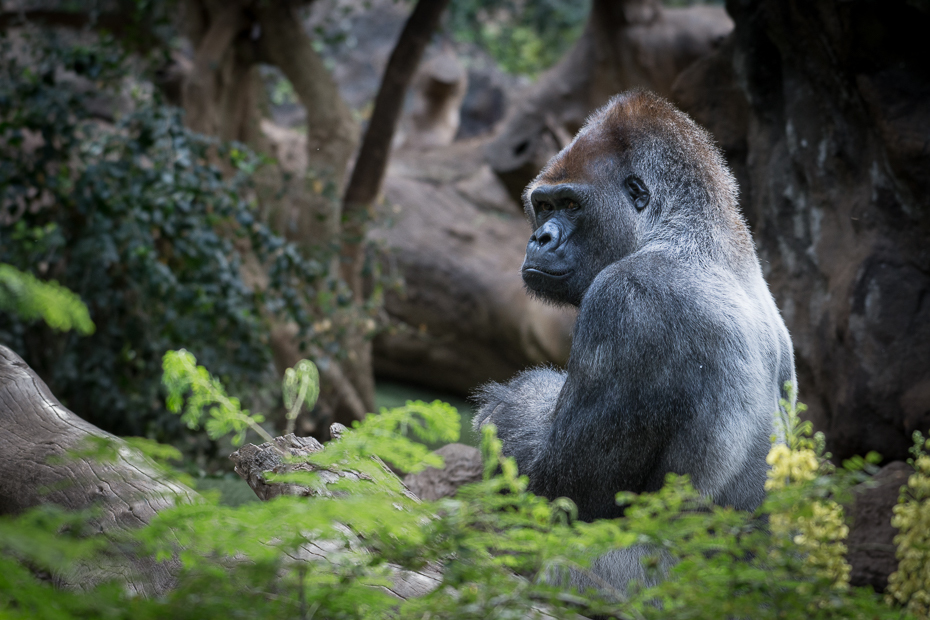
(369, 169)
(332, 132)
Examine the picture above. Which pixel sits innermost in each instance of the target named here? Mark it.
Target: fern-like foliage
(495, 550)
(28, 298)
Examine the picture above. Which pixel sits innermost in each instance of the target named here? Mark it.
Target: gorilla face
(552, 268)
(581, 227)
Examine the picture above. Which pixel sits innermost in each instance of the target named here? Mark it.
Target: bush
(910, 584)
(25, 297)
(103, 189)
(495, 544)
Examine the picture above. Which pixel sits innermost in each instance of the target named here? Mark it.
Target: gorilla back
(679, 355)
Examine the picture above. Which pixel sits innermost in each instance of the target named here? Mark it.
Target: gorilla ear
(639, 194)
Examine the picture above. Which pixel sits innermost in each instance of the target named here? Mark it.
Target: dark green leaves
(150, 224)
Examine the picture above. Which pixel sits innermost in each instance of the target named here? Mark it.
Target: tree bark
(824, 110)
(332, 133)
(36, 435)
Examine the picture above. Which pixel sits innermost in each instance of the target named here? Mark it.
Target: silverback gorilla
(679, 354)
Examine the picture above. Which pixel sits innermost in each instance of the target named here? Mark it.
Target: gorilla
(679, 355)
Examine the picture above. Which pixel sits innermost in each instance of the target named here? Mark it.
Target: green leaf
(23, 295)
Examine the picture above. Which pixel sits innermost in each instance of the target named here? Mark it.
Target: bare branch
(368, 173)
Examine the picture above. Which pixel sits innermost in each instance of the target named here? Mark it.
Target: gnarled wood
(36, 435)
(252, 463)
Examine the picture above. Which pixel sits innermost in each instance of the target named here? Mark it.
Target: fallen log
(38, 465)
(286, 455)
(44, 459)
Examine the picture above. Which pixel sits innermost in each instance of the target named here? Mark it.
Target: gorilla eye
(545, 206)
(638, 191)
(572, 206)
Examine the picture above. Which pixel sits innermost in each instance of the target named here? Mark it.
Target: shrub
(25, 297)
(910, 584)
(494, 544)
(103, 189)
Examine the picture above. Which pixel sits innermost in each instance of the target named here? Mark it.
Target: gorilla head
(640, 172)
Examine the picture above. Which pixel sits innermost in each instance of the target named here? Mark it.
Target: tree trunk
(824, 110)
(332, 133)
(368, 174)
(223, 96)
(36, 435)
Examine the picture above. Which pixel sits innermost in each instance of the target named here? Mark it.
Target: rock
(871, 537)
(462, 466)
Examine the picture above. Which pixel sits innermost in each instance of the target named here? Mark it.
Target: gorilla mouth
(549, 273)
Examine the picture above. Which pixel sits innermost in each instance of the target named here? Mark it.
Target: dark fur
(679, 354)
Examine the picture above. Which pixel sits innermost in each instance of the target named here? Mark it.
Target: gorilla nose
(549, 234)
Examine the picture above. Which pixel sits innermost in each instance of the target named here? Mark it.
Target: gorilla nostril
(543, 238)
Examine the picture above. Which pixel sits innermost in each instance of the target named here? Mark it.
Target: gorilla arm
(522, 410)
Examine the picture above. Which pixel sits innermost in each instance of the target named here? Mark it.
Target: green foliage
(208, 400)
(910, 584)
(27, 298)
(46, 537)
(502, 552)
(301, 386)
(523, 37)
(104, 190)
(385, 435)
